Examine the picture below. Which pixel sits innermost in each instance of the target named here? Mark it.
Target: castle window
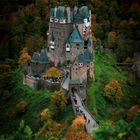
(68, 47)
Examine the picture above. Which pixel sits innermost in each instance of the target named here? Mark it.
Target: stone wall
(40, 84)
(76, 49)
(61, 33)
(79, 72)
(30, 81)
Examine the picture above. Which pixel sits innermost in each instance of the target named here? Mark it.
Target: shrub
(21, 107)
(6, 95)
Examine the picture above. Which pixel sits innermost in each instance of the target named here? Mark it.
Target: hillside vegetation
(106, 111)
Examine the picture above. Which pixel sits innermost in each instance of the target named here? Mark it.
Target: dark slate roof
(85, 58)
(88, 43)
(52, 11)
(77, 17)
(81, 58)
(84, 11)
(75, 81)
(43, 56)
(75, 37)
(35, 57)
(61, 12)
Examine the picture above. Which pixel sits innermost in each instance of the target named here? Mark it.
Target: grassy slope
(37, 101)
(105, 71)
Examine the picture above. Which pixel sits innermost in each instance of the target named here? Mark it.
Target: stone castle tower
(69, 33)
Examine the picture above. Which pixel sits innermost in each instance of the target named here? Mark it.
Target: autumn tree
(132, 112)
(53, 72)
(24, 57)
(45, 114)
(113, 91)
(50, 128)
(77, 131)
(59, 102)
(21, 107)
(112, 39)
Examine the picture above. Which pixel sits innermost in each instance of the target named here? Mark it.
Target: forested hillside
(113, 96)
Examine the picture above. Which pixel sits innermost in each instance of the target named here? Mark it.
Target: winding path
(79, 107)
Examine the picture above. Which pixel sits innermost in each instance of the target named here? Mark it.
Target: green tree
(59, 102)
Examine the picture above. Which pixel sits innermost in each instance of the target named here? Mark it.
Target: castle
(67, 62)
(69, 43)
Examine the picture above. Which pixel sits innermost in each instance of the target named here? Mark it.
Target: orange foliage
(79, 121)
(132, 112)
(58, 99)
(45, 114)
(53, 72)
(113, 91)
(73, 135)
(24, 57)
(77, 131)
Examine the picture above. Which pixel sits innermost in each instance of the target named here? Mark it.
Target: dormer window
(85, 20)
(62, 20)
(81, 64)
(68, 47)
(56, 20)
(51, 19)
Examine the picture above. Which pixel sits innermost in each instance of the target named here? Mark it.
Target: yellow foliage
(24, 57)
(58, 99)
(21, 106)
(120, 135)
(53, 72)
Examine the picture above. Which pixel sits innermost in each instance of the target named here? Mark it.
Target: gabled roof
(75, 37)
(35, 57)
(40, 57)
(84, 11)
(61, 12)
(77, 18)
(52, 12)
(88, 43)
(87, 56)
(43, 56)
